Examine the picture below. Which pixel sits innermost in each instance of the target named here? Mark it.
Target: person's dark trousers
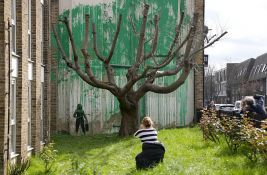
(79, 122)
(151, 155)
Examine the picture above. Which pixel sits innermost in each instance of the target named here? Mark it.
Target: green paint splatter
(105, 17)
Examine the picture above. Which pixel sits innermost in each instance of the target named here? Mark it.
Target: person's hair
(248, 101)
(147, 122)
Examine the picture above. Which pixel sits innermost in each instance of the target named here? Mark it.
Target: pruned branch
(99, 56)
(155, 39)
(151, 72)
(86, 39)
(177, 33)
(140, 47)
(165, 89)
(85, 53)
(63, 53)
(169, 58)
(208, 45)
(171, 55)
(90, 79)
(75, 55)
(115, 39)
(169, 72)
(66, 59)
(191, 38)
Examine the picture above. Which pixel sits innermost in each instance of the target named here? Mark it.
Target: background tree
(182, 52)
(211, 88)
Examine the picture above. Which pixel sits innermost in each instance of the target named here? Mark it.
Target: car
(238, 106)
(217, 106)
(227, 109)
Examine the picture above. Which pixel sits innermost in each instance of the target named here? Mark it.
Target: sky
(246, 24)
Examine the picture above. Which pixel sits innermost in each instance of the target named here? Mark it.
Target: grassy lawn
(186, 153)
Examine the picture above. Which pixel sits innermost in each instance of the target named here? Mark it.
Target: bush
(232, 130)
(238, 132)
(48, 156)
(18, 168)
(210, 125)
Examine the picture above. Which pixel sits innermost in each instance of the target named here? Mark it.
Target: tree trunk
(129, 120)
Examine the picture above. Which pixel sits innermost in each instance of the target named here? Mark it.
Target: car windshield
(228, 107)
(238, 104)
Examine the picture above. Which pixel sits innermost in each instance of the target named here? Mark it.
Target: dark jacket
(257, 114)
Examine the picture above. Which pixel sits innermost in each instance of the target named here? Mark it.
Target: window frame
(29, 31)
(42, 113)
(13, 27)
(13, 105)
(42, 30)
(29, 114)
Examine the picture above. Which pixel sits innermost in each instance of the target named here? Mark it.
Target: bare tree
(211, 86)
(182, 51)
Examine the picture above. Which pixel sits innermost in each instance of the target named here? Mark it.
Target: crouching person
(152, 150)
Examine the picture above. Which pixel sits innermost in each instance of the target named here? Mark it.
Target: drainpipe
(6, 149)
(9, 78)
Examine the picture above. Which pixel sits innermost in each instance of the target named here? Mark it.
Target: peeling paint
(70, 4)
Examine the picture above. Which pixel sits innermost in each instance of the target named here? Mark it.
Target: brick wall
(4, 14)
(53, 101)
(36, 82)
(22, 79)
(199, 73)
(48, 93)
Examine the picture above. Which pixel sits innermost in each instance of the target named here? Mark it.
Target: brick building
(258, 77)
(24, 81)
(237, 80)
(238, 76)
(220, 78)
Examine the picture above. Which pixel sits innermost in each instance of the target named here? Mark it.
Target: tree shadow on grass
(80, 144)
(93, 151)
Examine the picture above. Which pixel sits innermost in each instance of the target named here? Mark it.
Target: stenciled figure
(80, 117)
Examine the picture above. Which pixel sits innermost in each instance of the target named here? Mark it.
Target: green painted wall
(100, 105)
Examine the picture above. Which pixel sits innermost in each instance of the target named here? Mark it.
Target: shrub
(18, 168)
(232, 130)
(210, 125)
(237, 132)
(256, 139)
(77, 167)
(48, 156)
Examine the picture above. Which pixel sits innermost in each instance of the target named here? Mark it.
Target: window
(42, 69)
(263, 68)
(255, 69)
(42, 114)
(13, 117)
(42, 31)
(29, 30)
(13, 26)
(29, 114)
(259, 68)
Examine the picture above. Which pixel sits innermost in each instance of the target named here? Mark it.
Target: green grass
(186, 153)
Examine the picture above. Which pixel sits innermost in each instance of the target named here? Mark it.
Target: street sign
(206, 60)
